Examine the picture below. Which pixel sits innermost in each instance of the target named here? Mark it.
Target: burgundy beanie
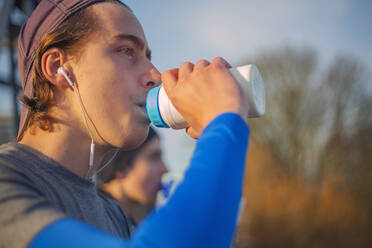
(46, 17)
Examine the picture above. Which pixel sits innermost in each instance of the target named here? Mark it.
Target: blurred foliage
(308, 179)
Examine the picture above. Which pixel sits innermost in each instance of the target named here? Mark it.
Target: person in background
(133, 178)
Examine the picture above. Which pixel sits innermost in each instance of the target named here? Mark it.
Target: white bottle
(162, 113)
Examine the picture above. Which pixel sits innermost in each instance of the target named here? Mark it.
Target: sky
(189, 30)
(238, 30)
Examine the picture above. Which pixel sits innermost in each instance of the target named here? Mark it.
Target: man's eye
(127, 51)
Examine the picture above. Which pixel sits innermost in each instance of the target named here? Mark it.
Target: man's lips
(142, 103)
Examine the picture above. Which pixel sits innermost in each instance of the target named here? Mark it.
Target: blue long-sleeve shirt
(203, 210)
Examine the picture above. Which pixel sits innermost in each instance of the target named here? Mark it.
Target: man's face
(143, 180)
(113, 73)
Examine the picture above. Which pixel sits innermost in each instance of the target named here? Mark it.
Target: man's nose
(164, 168)
(153, 79)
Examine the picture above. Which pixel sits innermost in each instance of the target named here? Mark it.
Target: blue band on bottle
(152, 107)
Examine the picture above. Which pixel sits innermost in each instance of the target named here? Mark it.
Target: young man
(85, 69)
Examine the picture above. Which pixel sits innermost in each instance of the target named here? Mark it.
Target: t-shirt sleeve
(24, 210)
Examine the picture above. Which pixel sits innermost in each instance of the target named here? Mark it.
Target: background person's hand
(203, 91)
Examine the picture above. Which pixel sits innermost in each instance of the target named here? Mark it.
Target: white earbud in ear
(62, 71)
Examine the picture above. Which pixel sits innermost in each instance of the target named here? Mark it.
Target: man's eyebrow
(138, 42)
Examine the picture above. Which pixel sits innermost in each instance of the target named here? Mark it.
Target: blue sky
(237, 30)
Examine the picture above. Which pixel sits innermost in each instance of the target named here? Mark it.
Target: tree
(307, 107)
(308, 180)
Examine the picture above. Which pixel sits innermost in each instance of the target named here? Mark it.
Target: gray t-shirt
(35, 191)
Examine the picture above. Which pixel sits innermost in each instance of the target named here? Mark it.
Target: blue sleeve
(203, 210)
(72, 233)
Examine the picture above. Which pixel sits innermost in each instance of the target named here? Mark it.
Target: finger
(200, 64)
(169, 79)
(185, 69)
(192, 133)
(221, 61)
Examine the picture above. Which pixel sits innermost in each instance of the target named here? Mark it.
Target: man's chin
(137, 138)
(146, 120)
(143, 118)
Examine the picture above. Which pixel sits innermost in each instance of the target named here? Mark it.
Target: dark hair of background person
(123, 161)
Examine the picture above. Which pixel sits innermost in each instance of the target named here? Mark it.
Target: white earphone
(62, 71)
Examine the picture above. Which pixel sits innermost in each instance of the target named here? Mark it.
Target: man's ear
(51, 60)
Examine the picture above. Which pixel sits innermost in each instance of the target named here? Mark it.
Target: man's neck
(67, 146)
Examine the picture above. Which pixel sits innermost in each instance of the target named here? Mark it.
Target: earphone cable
(106, 164)
(91, 156)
